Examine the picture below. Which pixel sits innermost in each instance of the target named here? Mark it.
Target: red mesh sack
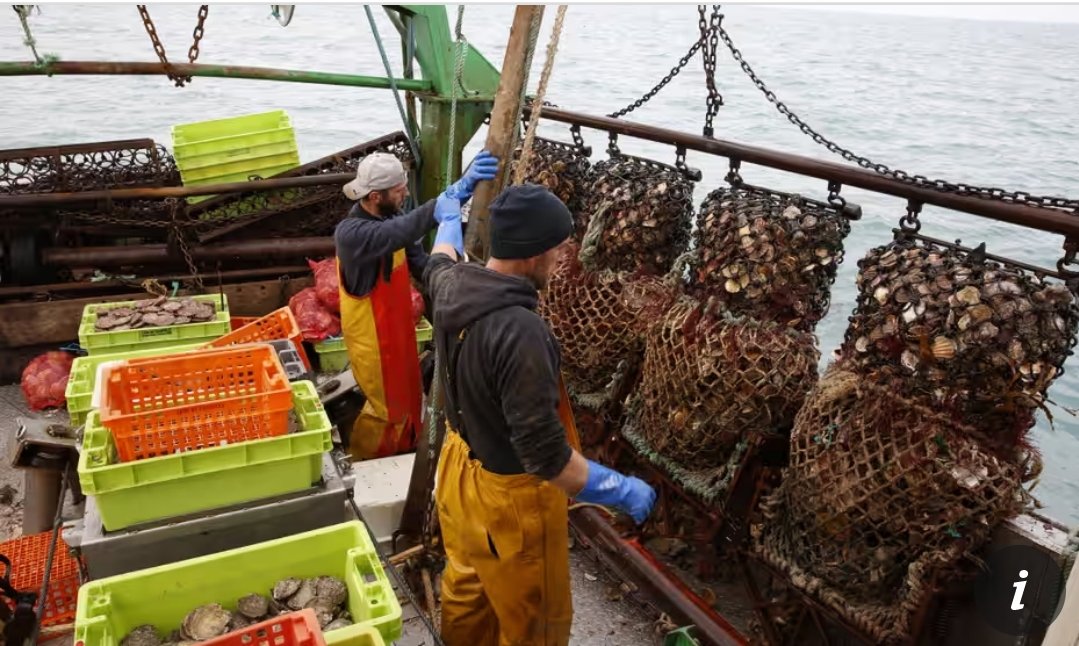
(316, 322)
(44, 380)
(326, 283)
(418, 306)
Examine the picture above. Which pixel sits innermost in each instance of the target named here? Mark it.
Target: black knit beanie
(527, 220)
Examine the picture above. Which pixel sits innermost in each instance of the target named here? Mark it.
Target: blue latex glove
(483, 166)
(448, 214)
(608, 487)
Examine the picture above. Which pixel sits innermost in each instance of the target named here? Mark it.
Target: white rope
(537, 101)
(462, 49)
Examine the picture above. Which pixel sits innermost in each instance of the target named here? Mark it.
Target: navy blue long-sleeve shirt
(366, 243)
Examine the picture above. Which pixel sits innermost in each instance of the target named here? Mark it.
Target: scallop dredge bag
(639, 216)
(882, 495)
(564, 170)
(973, 338)
(711, 380)
(598, 319)
(767, 255)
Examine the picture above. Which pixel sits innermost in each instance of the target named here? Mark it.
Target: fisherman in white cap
(378, 247)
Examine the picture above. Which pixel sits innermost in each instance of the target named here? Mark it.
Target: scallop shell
(305, 594)
(324, 610)
(969, 295)
(732, 286)
(331, 588)
(285, 588)
(336, 624)
(239, 621)
(792, 212)
(943, 347)
(861, 344)
(206, 622)
(909, 360)
(881, 294)
(253, 606)
(145, 635)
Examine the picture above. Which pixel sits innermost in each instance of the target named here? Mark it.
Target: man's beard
(386, 208)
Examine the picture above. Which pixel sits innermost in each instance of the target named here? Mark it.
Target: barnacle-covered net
(597, 318)
(564, 170)
(768, 255)
(882, 493)
(708, 380)
(639, 216)
(978, 340)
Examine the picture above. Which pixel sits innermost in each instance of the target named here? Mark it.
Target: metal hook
(910, 223)
(734, 176)
(848, 210)
(612, 144)
(578, 141)
(692, 174)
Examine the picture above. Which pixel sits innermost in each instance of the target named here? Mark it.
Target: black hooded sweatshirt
(503, 397)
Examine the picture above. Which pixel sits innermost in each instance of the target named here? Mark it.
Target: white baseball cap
(376, 172)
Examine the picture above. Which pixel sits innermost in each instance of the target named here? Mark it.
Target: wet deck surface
(601, 618)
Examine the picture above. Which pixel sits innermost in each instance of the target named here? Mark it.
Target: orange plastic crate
(237, 322)
(278, 324)
(183, 402)
(28, 555)
(290, 629)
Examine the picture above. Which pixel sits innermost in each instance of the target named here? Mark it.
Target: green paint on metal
(435, 52)
(19, 68)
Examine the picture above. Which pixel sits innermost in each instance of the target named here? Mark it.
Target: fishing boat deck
(602, 616)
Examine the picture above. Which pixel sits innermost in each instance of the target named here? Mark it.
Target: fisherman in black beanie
(511, 456)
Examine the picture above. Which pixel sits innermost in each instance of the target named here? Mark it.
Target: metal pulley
(283, 13)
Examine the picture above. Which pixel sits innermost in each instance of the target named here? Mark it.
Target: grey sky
(1005, 12)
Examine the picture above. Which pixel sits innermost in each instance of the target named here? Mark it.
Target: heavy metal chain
(1018, 197)
(682, 62)
(707, 37)
(710, 45)
(177, 230)
(192, 53)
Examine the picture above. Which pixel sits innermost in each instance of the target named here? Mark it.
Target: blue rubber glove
(448, 214)
(608, 487)
(483, 166)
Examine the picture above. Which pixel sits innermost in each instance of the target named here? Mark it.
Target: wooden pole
(505, 116)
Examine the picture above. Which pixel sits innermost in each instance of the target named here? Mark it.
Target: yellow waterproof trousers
(506, 580)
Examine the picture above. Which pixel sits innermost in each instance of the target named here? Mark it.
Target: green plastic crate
(95, 342)
(233, 149)
(333, 355)
(81, 381)
(110, 608)
(355, 635)
(424, 332)
(140, 491)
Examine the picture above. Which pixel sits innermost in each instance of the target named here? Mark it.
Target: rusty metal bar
(114, 68)
(670, 594)
(155, 254)
(1046, 219)
(84, 287)
(53, 199)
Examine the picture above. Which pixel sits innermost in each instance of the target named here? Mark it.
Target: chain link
(193, 53)
(159, 49)
(710, 39)
(921, 181)
(177, 231)
(910, 223)
(682, 62)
